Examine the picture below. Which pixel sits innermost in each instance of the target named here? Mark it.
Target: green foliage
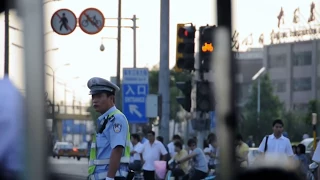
(294, 125)
(270, 109)
(174, 91)
(312, 108)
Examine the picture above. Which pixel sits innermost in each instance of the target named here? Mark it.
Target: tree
(294, 126)
(270, 109)
(174, 91)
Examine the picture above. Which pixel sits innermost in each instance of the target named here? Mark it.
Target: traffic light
(185, 47)
(185, 101)
(206, 47)
(205, 102)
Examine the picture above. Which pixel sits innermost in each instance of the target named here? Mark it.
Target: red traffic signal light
(187, 32)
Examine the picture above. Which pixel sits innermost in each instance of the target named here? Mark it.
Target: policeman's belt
(103, 175)
(107, 161)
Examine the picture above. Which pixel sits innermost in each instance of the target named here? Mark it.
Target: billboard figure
(280, 17)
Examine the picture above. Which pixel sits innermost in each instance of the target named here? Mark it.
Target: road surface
(69, 168)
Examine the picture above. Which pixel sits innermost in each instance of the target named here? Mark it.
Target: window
(302, 58)
(279, 85)
(276, 61)
(300, 106)
(302, 84)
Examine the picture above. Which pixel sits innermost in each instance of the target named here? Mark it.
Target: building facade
(294, 72)
(249, 63)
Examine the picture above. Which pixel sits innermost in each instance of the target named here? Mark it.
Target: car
(308, 142)
(80, 151)
(64, 149)
(252, 155)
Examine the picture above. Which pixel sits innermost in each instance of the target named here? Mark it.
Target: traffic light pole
(164, 72)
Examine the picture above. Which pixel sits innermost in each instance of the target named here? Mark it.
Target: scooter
(172, 164)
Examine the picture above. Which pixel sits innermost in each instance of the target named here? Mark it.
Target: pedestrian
(276, 143)
(168, 157)
(200, 168)
(142, 137)
(294, 149)
(135, 159)
(303, 159)
(242, 151)
(171, 148)
(110, 147)
(152, 151)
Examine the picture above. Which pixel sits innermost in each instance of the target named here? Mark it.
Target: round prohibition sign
(91, 21)
(63, 22)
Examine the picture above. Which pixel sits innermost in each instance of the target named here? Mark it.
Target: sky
(82, 51)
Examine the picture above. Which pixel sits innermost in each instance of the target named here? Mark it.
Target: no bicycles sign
(91, 21)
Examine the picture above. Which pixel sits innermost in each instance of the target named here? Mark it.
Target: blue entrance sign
(135, 88)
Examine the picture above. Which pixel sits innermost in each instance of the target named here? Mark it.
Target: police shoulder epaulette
(111, 118)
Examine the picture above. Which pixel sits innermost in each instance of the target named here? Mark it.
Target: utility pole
(134, 27)
(224, 66)
(6, 41)
(31, 14)
(118, 95)
(164, 68)
(54, 121)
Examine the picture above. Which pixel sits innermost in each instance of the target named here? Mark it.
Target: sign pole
(134, 27)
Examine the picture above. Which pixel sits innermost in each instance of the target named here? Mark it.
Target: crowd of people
(186, 163)
(192, 162)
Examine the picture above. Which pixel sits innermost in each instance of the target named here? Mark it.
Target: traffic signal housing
(206, 47)
(185, 47)
(205, 101)
(185, 101)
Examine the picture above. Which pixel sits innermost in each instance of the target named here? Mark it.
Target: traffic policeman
(110, 147)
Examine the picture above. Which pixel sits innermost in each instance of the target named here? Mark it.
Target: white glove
(107, 178)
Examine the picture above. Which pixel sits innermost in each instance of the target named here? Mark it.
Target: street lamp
(54, 122)
(102, 48)
(257, 76)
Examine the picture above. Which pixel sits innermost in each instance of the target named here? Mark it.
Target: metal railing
(73, 110)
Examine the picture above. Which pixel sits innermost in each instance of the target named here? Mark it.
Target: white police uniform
(115, 132)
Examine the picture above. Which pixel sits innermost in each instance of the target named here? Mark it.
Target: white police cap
(99, 85)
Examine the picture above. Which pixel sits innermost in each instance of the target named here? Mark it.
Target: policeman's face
(277, 129)
(101, 102)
